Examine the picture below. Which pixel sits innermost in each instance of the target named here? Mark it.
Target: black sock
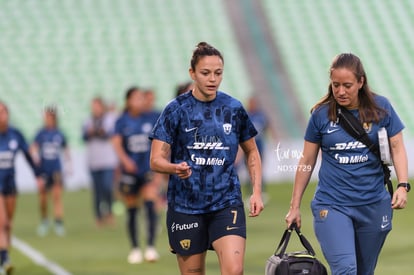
(4, 256)
(152, 222)
(132, 226)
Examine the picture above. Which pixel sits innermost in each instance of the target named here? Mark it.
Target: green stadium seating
(66, 52)
(310, 33)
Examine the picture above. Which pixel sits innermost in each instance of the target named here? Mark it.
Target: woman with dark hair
(47, 147)
(132, 147)
(97, 132)
(352, 209)
(195, 141)
(11, 141)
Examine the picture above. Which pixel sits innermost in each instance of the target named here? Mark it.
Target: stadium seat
(310, 33)
(66, 52)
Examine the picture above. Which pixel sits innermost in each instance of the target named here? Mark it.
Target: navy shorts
(8, 185)
(51, 178)
(132, 184)
(193, 234)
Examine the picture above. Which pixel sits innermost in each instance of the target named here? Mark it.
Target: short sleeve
(166, 126)
(313, 133)
(247, 129)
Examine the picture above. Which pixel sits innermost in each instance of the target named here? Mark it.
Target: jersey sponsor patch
(183, 227)
(342, 159)
(341, 146)
(207, 161)
(208, 146)
(6, 159)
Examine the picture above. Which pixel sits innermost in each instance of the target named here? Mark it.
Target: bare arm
(34, 152)
(160, 160)
(399, 157)
(302, 178)
(126, 162)
(254, 166)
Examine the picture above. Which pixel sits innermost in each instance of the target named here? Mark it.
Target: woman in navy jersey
(11, 141)
(195, 141)
(47, 147)
(132, 147)
(352, 209)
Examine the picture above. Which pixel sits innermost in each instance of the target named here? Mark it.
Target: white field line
(38, 257)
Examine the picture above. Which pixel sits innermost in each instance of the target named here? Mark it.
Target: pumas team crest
(227, 128)
(367, 127)
(185, 244)
(323, 214)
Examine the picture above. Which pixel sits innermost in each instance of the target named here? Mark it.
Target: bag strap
(281, 249)
(353, 127)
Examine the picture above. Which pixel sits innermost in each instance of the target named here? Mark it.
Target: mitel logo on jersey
(348, 145)
(351, 159)
(207, 161)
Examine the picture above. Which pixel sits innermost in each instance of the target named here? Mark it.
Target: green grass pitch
(86, 250)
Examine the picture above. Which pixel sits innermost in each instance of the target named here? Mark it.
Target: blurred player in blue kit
(352, 209)
(47, 148)
(11, 141)
(132, 147)
(195, 141)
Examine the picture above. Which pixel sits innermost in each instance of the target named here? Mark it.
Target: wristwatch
(406, 185)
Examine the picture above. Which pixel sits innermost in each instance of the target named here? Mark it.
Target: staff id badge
(384, 146)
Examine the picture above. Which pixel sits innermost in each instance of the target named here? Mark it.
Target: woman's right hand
(293, 216)
(183, 170)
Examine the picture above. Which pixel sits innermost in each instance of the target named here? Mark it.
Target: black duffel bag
(298, 262)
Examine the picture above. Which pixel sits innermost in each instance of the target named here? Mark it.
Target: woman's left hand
(256, 205)
(399, 199)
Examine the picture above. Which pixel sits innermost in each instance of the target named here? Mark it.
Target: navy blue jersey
(206, 135)
(350, 173)
(11, 142)
(152, 116)
(51, 142)
(134, 132)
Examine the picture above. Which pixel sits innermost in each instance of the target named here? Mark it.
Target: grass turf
(86, 250)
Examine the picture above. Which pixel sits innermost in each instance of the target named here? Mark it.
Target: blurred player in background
(183, 88)
(11, 141)
(102, 160)
(159, 180)
(46, 149)
(195, 141)
(132, 146)
(261, 123)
